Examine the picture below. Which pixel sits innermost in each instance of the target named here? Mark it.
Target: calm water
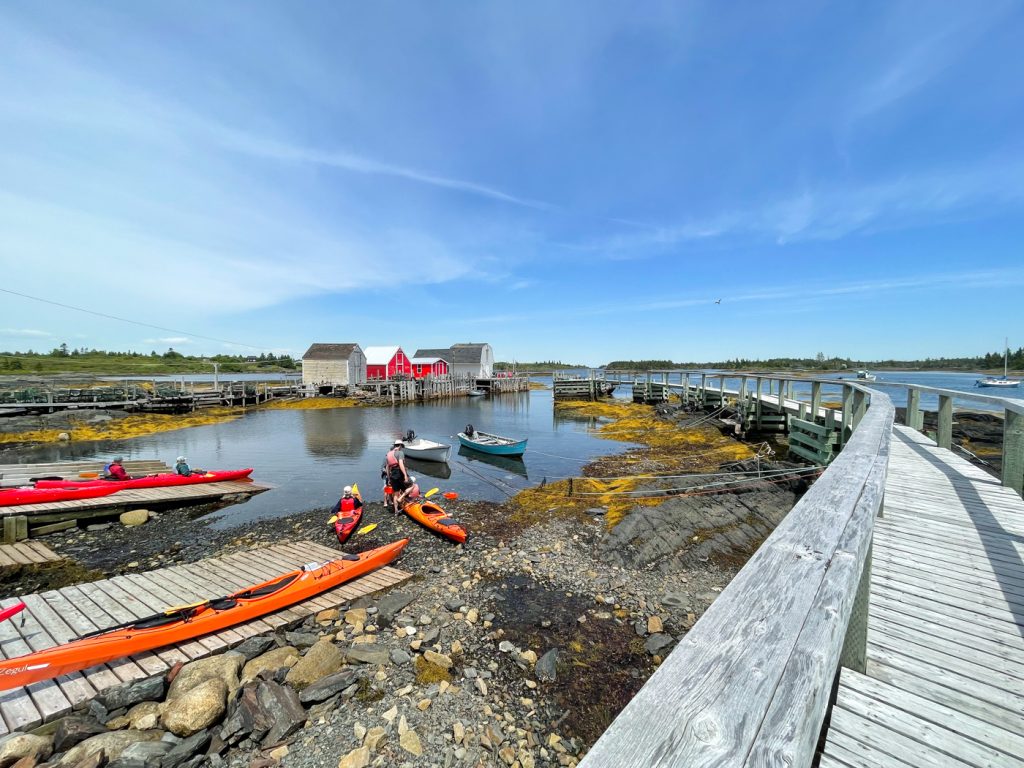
(310, 455)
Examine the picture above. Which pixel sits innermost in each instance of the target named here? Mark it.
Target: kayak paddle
(366, 529)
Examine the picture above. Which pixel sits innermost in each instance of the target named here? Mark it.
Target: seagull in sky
(718, 301)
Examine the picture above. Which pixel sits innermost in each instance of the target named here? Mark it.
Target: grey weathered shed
(475, 359)
(337, 365)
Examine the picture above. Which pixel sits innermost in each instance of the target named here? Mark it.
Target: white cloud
(169, 340)
(25, 333)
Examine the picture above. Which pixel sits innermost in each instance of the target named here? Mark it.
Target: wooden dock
(944, 678)
(60, 615)
(16, 556)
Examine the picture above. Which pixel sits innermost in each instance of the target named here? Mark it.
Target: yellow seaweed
(311, 403)
(134, 425)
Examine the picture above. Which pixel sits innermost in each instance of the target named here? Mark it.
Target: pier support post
(944, 434)
(860, 406)
(703, 389)
(1013, 451)
(855, 644)
(914, 417)
(758, 382)
(847, 429)
(815, 400)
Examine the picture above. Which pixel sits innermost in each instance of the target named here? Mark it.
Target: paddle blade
(451, 495)
(355, 489)
(430, 493)
(332, 520)
(366, 529)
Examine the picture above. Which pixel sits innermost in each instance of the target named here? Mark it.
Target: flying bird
(718, 301)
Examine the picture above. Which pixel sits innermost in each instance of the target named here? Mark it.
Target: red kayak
(12, 496)
(151, 481)
(346, 522)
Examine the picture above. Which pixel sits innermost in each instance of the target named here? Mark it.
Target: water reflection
(432, 468)
(514, 464)
(335, 432)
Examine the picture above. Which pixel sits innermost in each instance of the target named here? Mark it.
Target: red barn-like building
(386, 363)
(429, 366)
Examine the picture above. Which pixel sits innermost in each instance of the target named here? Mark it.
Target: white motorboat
(427, 450)
(476, 393)
(866, 376)
(1002, 383)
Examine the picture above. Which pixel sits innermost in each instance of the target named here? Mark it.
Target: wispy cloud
(25, 333)
(169, 340)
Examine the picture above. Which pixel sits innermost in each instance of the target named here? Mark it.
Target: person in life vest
(395, 474)
(115, 471)
(182, 468)
(347, 504)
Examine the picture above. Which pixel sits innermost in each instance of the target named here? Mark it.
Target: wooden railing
(750, 684)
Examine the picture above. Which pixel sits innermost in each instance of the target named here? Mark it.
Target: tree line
(82, 359)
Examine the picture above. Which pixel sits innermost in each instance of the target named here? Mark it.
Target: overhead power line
(127, 320)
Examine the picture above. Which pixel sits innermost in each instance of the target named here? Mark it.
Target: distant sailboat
(1005, 382)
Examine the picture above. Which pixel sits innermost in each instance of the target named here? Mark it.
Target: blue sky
(576, 181)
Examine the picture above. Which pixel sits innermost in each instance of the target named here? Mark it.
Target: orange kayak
(431, 516)
(176, 625)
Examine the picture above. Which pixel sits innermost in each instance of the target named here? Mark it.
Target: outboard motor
(468, 430)
(409, 436)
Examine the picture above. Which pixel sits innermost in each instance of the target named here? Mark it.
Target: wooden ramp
(945, 657)
(25, 553)
(60, 615)
(12, 475)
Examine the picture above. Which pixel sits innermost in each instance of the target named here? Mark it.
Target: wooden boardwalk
(60, 615)
(944, 682)
(25, 553)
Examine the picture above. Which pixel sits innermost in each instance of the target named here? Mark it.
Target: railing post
(944, 434)
(914, 418)
(1013, 451)
(847, 429)
(703, 389)
(815, 400)
(855, 645)
(721, 391)
(757, 403)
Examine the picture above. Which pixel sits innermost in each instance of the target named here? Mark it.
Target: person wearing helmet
(396, 476)
(347, 504)
(411, 492)
(182, 468)
(115, 470)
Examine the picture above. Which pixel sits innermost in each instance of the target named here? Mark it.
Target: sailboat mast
(1006, 355)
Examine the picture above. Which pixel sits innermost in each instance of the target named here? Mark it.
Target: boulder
(224, 666)
(271, 660)
(282, 708)
(658, 641)
(357, 758)
(324, 658)
(546, 667)
(18, 746)
(129, 694)
(145, 715)
(254, 646)
(75, 729)
(185, 749)
(200, 708)
(110, 744)
(390, 605)
(246, 718)
(326, 687)
(368, 654)
(301, 639)
(145, 752)
(445, 662)
(134, 517)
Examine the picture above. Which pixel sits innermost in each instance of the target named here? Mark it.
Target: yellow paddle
(430, 493)
(366, 529)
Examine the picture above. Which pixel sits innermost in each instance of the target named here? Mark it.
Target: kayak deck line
(59, 616)
(25, 553)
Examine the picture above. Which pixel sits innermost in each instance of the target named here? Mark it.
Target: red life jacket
(391, 459)
(348, 503)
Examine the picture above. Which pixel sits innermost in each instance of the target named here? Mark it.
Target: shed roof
(330, 351)
(444, 354)
(426, 360)
(380, 355)
(468, 353)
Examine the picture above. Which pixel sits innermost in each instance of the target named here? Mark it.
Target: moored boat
(427, 450)
(495, 445)
(1002, 383)
(177, 625)
(430, 515)
(866, 376)
(161, 480)
(10, 497)
(476, 393)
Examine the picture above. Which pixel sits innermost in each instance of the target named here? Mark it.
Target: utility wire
(126, 320)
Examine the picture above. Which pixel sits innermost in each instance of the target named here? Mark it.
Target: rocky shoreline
(517, 649)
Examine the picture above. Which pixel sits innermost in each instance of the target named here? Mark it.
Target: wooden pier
(882, 622)
(592, 387)
(26, 553)
(21, 521)
(60, 615)
(438, 387)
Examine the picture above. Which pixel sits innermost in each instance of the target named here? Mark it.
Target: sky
(579, 181)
